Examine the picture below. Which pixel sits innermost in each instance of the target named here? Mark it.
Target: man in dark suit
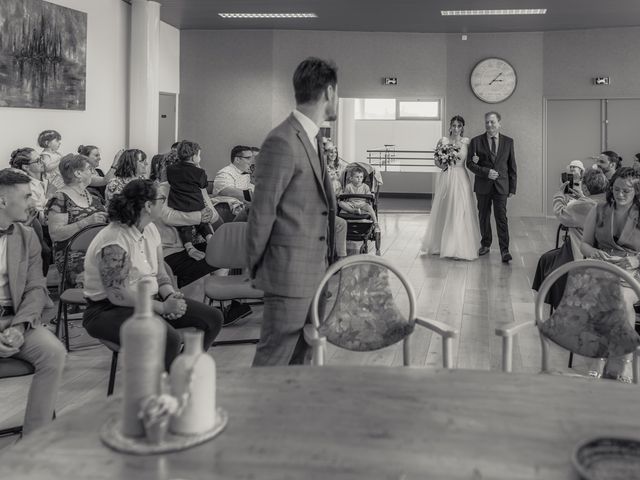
(290, 233)
(493, 161)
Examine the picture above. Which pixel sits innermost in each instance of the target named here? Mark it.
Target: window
(375, 109)
(419, 109)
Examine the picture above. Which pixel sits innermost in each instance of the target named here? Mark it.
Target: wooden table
(358, 422)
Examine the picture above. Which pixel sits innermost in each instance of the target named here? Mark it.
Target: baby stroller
(360, 227)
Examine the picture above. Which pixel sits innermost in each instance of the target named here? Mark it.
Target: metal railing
(390, 159)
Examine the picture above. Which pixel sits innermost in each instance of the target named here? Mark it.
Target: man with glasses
(234, 179)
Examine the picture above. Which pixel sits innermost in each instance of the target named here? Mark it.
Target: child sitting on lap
(187, 181)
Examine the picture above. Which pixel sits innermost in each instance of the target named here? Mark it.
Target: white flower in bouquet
(447, 155)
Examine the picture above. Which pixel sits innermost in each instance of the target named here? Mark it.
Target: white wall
(105, 121)
(169, 68)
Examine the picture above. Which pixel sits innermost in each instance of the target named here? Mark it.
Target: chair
(616, 336)
(226, 249)
(77, 247)
(364, 315)
(561, 228)
(13, 367)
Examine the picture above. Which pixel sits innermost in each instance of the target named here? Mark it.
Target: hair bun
(14, 154)
(80, 148)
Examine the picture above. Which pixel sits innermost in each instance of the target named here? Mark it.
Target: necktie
(322, 162)
(8, 231)
(493, 145)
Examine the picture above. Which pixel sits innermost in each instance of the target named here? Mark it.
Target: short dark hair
(613, 158)
(86, 149)
(175, 145)
(71, 163)
(21, 157)
(46, 136)
(187, 149)
(238, 149)
(595, 181)
(9, 177)
(126, 207)
(128, 163)
(357, 169)
(257, 149)
(312, 77)
(493, 112)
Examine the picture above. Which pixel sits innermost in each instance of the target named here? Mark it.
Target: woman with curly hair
(132, 165)
(123, 253)
(612, 234)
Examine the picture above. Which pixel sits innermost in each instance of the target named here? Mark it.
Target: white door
(573, 133)
(167, 122)
(623, 128)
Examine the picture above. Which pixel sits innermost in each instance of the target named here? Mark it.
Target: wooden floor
(474, 297)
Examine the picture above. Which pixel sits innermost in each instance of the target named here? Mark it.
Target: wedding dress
(453, 230)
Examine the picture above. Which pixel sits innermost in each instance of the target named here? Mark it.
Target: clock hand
(498, 76)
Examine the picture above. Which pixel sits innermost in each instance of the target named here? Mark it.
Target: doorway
(167, 126)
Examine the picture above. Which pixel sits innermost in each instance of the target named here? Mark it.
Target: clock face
(493, 80)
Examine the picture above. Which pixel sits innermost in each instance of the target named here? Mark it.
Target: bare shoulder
(465, 140)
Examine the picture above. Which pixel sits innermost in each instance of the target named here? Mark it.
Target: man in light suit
(291, 223)
(23, 297)
(492, 159)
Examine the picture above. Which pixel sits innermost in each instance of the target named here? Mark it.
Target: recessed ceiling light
(521, 11)
(268, 15)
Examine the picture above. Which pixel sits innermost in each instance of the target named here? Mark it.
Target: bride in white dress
(453, 229)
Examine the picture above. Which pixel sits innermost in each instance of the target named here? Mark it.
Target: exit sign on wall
(390, 80)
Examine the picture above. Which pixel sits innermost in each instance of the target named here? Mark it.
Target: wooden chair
(227, 249)
(508, 332)
(364, 315)
(13, 367)
(77, 246)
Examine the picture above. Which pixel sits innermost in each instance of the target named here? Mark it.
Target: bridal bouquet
(447, 154)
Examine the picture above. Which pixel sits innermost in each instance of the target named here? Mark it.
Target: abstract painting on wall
(43, 52)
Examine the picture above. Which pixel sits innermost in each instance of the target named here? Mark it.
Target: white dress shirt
(231, 176)
(497, 135)
(309, 127)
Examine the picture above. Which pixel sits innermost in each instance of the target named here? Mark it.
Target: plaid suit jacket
(291, 221)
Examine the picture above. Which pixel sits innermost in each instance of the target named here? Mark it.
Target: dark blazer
(504, 163)
(291, 221)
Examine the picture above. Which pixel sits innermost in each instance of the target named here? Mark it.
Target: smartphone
(247, 195)
(567, 177)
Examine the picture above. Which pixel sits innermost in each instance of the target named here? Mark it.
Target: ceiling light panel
(521, 11)
(268, 15)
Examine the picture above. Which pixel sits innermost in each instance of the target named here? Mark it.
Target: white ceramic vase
(193, 377)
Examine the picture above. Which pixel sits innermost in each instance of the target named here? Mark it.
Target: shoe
(483, 251)
(506, 257)
(235, 312)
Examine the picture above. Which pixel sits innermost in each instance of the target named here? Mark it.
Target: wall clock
(493, 80)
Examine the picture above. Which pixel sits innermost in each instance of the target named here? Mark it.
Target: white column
(143, 76)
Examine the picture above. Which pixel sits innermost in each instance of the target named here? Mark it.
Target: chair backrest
(210, 187)
(364, 314)
(74, 254)
(591, 319)
(228, 246)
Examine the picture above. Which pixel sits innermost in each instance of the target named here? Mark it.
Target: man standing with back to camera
(290, 234)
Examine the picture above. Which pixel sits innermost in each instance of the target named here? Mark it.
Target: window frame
(438, 101)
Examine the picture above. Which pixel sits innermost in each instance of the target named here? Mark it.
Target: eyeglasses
(160, 199)
(242, 156)
(39, 160)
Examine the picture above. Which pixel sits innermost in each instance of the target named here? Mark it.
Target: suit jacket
(27, 284)
(290, 232)
(504, 162)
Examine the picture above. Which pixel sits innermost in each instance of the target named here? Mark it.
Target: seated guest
(132, 165)
(187, 180)
(50, 141)
(161, 161)
(608, 161)
(232, 180)
(356, 186)
(573, 208)
(28, 161)
(99, 179)
(335, 166)
(126, 251)
(612, 234)
(23, 297)
(71, 209)
(576, 168)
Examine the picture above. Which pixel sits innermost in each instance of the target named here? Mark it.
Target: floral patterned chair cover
(590, 320)
(362, 297)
